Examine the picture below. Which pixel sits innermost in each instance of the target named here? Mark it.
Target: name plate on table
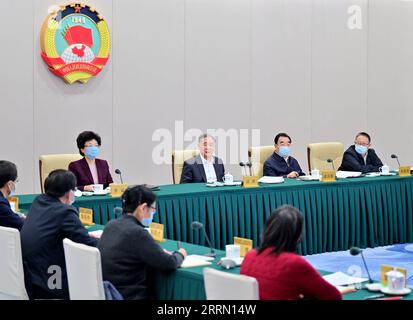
(245, 245)
(328, 176)
(250, 181)
(117, 189)
(156, 230)
(384, 269)
(86, 216)
(14, 203)
(404, 171)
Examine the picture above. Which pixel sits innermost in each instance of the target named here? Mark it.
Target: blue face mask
(361, 149)
(284, 151)
(147, 221)
(92, 152)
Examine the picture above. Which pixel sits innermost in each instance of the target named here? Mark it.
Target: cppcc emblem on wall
(75, 42)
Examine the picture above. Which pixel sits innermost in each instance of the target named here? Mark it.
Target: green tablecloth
(188, 283)
(364, 212)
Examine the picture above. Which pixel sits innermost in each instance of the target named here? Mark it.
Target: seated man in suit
(51, 218)
(8, 181)
(280, 163)
(205, 167)
(360, 157)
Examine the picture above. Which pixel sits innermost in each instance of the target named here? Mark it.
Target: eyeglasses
(153, 207)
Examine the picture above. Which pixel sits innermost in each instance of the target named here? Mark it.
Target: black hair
(135, 196)
(282, 230)
(59, 182)
(8, 172)
(364, 134)
(86, 136)
(282, 134)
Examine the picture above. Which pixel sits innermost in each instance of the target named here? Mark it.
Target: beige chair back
(318, 153)
(257, 156)
(178, 159)
(50, 162)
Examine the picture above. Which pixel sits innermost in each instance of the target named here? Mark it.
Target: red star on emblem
(77, 9)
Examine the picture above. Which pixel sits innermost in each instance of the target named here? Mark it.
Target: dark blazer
(353, 161)
(48, 222)
(84, 177)
(7, 217)
(129, 253)
(193, 170)
(276, 166)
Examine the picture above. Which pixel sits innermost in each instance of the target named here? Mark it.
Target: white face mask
(12, 187)
(71, 198)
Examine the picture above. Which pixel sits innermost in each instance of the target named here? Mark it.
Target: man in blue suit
(8, 181)
(51, 218)
(281, 163)
(205, 167)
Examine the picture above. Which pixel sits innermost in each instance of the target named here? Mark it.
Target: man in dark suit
(205, 167)
(8, 180)
(281, 163)
(51, 218)
(360, 157)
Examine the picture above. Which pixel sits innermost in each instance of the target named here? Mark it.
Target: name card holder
(404, 171)
(385, 268)
(328, 176)
(157, 231)
(245, 245)
(14, 203)
(117, 189)
(250, 181)
(86, 216)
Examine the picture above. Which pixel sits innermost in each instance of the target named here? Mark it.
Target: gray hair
(204, 136)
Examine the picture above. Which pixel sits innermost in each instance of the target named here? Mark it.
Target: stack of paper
(342, 279)
(347, 174)
(267, 179)
(195, 260)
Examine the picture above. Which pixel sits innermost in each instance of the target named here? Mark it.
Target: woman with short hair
(129, 252)
(90, 170)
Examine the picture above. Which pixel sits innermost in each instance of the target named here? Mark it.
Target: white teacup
(315, 173)
(98, 187)
(232, 251)
(385, 169)
(228, 178)
(395, 280)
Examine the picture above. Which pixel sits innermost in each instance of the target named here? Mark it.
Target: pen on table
(178, 245)
(392, 298)
(377, 296)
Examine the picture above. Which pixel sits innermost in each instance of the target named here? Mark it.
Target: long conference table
(188, 283)
(363, 212)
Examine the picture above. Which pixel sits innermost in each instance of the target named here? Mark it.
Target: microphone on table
(118, 212)
(249, 165)
(198, 225)
(242, 164)
(332, 163)
(393, 156)
(354, 251)
(117, 171)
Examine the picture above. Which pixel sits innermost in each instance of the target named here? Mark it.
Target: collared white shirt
(365, 157)
(209, 169)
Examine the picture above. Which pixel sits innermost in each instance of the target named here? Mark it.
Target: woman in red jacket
(282, 274)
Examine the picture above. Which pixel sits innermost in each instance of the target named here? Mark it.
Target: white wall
(273, 65)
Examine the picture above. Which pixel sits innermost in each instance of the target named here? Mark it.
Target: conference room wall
(390, 85)
(290, 65)
(16, 89)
